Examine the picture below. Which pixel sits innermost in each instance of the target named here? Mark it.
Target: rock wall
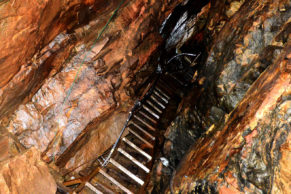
(244, 154)
(26, 27)
(26, 173)
(242, 105)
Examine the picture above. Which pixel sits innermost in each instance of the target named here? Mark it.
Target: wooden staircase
(126, 166)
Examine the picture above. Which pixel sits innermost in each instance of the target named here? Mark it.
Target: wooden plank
(143, 130)
(145, 107)
(161, 96)
(115, 182)
(154, 106)
(137, 148)
(92, 188)
(127, 172)
(144, 122)
(159, 90)
(141, 138)
(148, 117)
(158, 102)
(134, 160)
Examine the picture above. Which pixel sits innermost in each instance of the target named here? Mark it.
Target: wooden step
(157, 101)
(162, 93)
(114, 181)
(131, 158)
(92, 188)
(140, 138)
(185, 78)
(144, 122)
(156, 104)
(149, 110)
(105, 185)
(148, 117)
(155, 92)
(129, 164)
(134, 153)
(137, 148)
(189, 76)
(165, 89)
(125, 171)
(153, 106)
(143, 130)
(100, 186)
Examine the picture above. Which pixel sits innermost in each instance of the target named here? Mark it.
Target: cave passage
(145, 96)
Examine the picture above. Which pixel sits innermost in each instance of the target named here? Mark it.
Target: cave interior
(145, 96)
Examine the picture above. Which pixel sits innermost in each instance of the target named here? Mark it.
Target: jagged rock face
(180, 136)
(37, 122)
(241, 49)
(76, 90)
(26, 27)
(246, 74)
(246, 157)
(26, 173)
(246, 48)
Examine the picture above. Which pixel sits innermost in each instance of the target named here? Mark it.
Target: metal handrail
(181, 54)
(136, 106)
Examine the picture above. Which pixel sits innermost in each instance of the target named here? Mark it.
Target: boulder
(26, 173)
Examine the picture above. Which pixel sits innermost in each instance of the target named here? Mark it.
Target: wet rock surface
(244, 148)
(180, 136)
(254, 163)
(242, 50)
(49, 112)
(87, 154)
(255, 49)
(245, 42)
